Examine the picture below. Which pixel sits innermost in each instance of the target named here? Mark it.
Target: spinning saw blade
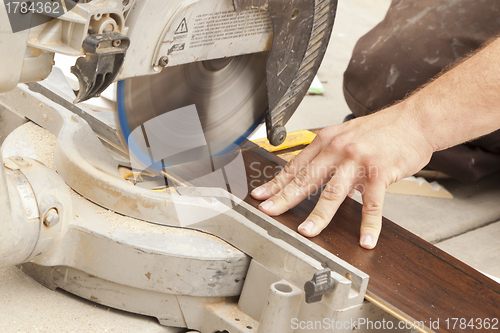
(229, 94)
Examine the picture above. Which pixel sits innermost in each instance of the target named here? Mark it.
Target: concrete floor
(354, 19)
(464, 226)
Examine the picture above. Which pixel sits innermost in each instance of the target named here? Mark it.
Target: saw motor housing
(117, 40)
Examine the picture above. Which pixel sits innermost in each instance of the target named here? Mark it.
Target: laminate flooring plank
(413, 279)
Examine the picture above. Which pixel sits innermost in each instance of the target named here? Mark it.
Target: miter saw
(195, 78)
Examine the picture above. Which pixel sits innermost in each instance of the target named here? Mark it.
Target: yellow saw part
(292, 140)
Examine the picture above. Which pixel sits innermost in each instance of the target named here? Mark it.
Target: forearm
(462, 104)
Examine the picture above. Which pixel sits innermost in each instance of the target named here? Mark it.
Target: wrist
(420, 120)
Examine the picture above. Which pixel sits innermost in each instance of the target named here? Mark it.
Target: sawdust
(32, 141)
(126, 223)
(229, 309)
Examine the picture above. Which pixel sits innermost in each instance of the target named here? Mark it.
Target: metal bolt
(28, 212)
(163, 61)
(117, 42)
(51, 218)
(277, 135)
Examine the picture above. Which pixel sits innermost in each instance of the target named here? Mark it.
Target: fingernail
(266, 205)
(307, 226)
(258, 191)
(367, 240)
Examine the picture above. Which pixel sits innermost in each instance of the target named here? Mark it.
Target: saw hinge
(104, 55)
(321, 283)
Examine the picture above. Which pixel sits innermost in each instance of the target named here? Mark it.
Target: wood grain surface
(408, 276)
(416, 279)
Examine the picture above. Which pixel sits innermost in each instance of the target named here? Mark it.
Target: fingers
(332, 197)
(371, 221)
(334, 154)
(288, 173)
(310, 179)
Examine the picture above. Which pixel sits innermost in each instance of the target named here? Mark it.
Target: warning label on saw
(213, 27)
(183, 27)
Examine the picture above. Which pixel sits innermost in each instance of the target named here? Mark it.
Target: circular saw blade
(230, 96)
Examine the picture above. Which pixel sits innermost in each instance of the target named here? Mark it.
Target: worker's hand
(365, 154)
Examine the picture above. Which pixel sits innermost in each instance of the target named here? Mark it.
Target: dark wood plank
(407, 274)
